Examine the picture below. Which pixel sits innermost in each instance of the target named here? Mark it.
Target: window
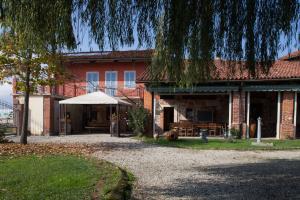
(92, 82)
(129, 79)
(111, 83)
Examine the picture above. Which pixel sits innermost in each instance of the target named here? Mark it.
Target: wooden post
(248, 116)
(278, 116)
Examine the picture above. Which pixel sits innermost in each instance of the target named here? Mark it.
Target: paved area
(173, 173)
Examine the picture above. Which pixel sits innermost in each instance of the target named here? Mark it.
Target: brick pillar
(148, 101)
(148, 105)
(238, 109)
(287, 116)
(48, 115)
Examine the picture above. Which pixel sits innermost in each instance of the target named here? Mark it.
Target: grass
(61, 177)
(222, 144)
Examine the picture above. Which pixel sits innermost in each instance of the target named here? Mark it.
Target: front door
(168, 117)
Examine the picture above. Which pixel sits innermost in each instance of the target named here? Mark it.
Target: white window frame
(129, 71)
(105, 81)
(86, 79)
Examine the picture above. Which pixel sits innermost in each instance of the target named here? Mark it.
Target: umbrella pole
(59, 116)
(118, 120)
(65, 119)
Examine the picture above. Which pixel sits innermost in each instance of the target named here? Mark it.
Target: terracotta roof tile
(280, 69)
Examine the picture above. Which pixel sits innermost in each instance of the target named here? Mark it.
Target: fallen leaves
(13, 149)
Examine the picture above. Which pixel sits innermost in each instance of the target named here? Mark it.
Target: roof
(98, 56)
(236, 71)
(95, 98)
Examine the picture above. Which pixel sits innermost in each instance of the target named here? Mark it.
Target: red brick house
(233, 100)
(227, 100)
(111, 72)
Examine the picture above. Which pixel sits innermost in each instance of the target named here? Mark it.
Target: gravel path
(173, 173)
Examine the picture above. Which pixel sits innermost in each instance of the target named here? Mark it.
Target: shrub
(2, 131)
(137, 120)
(171, 135)
(236, 134)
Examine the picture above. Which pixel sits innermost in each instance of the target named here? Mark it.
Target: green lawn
(197, 143)
(61, 177)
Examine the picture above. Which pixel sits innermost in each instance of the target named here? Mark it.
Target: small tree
(2, 131)
(137, 120)
(32, 67)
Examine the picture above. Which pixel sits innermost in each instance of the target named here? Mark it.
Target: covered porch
(93, 113)
(188, 112)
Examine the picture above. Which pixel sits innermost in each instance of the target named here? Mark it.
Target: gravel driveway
(173, 173)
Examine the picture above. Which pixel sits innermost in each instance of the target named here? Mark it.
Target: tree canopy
(193, 30)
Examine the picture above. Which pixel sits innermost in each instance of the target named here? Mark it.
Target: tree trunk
(23, 139)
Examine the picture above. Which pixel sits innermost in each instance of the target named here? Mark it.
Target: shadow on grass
(274, 179)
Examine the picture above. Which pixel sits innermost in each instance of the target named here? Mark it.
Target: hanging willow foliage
(187, 34)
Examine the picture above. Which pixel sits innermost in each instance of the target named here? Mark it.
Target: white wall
(36, 114)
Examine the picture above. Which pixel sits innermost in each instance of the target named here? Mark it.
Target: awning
(95, 98)
(198, 89)
(271, 88)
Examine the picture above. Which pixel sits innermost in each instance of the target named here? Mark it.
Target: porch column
(278, 116)
(248, 115)
(230, 112)
(154, 113)
(295, 114)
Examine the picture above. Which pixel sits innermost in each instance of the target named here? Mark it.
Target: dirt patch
(13, 149)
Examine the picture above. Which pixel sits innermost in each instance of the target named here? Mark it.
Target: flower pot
(252, 130)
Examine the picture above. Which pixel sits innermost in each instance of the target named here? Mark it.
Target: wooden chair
(212, 129)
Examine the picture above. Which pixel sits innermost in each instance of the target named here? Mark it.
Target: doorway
(263, 105)
(168, 117)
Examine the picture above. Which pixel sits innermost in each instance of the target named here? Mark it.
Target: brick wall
(287, 116)
(148, 101)
(238, 109)
(78, 85)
